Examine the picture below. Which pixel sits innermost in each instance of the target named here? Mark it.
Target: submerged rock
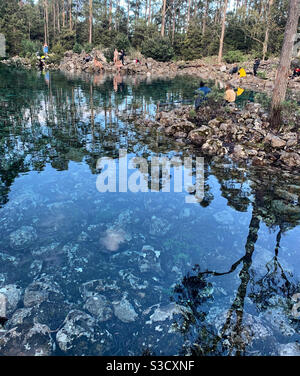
(167, 312)
(12, 296)
(23, 237)
(224, 217)
(124, 310)
(159, 226)
(99, 307)
(80, 335)
(40, 291)
(27, 340)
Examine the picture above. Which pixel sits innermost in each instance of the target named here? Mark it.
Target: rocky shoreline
(241, 134)
(75, 63)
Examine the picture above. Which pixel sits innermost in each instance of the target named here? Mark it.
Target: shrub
(192, 44)
(56, 54)
(158, 48)
(77, 48)
(30, 48)
(121, 42)
(67, 39)
(262, 75)
(234, 56)
(88, 47)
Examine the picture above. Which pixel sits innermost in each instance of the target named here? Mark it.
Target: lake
(117, 256)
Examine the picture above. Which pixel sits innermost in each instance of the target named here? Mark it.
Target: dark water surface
(124, 273)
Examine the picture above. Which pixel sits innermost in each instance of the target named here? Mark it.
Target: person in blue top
(205, 90)
(46, 49)
(202, 91)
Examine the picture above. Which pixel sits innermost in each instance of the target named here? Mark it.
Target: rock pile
(240, 134)
(74, 62)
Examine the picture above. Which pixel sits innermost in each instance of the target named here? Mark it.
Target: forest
(161, 29)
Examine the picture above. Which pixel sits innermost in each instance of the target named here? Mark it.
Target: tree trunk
(46, 25)
(282, 74)
(188, 15)
(128, 17)
(266, 41)
(205, 17)
(58, 17)
(146, 10)
(70, 14)
(110, 14)
(174, 22)
(163, 18)
(222, 33)
(54, 19)
(149, 14)
(90, 21)
(63, 14)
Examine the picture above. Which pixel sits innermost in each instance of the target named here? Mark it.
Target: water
(130, 273)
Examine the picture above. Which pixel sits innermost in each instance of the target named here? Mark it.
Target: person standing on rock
(122, 56)
(46, 49)
(256, 65)
(116, 56)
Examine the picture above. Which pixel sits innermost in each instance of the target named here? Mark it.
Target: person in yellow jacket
(239, 91)
(242, 72)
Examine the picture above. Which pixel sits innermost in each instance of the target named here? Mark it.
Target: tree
(282, 74)
(163, 18)
(222, 32)
(90, 21)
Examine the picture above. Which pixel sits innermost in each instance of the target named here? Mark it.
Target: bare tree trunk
(163, 19)
(110, 14)
(174, 21)
(70, 14)
(54, 18)
(149, 14)
(205, 17)
(58, 17)
(282, 74)
(46, 24)
(222, 33)
(63, 14)
(266, 41)
(90, 21)
(146, 10)
(128, 10)
(188, 15)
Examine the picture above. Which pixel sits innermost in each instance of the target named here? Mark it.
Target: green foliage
(67, 39)
(57, 53)
(77, 48)
(109, 53)
(192, 44)
(262, 75)
(23, 22)
(192, 114)
(29, 48)
(141, 32)
(234, 57)
(121, 42)
(88, 47)
(158, 48)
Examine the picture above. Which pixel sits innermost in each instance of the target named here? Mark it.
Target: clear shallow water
(146, 271)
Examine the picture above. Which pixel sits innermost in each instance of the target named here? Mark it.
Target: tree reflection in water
(81, 120)
(271, 291)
